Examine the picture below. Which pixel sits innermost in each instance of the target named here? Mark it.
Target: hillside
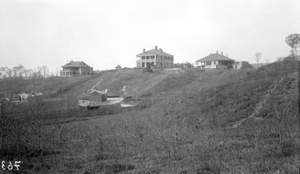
(187, 125)
(192, 121)
(137, 83)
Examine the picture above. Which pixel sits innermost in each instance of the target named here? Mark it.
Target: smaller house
(241, 65)
(75, 68)
(183, 65)
(258, 65)
(215, 60)
(118, 67)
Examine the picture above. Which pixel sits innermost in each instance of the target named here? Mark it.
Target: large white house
(154, 58)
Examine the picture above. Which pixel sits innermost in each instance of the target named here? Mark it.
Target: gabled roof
(214, 57)
(154, 51)
(75, 64)
(118, 67)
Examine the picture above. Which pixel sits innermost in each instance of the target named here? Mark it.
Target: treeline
(21, 72)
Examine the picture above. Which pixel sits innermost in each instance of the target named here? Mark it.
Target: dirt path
(259, 106)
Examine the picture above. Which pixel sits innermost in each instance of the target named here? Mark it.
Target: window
(143, 64)
(152, 57)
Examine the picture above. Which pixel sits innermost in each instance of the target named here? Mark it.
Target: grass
(183, 126)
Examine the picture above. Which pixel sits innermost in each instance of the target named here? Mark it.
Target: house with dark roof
(241, 65)
(76, 68)
(118, 67)
(215, 60)
(155, 58)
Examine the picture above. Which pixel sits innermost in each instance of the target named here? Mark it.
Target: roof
(75, 64)
(154, 51)
(213, 57)
(118, 67)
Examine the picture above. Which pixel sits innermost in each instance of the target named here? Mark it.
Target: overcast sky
(107, 33)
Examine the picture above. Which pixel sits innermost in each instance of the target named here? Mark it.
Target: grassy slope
(184, 127)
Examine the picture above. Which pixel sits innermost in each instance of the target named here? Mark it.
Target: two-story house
(156, 58)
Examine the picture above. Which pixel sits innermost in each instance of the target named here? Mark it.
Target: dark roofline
(153, 51)
(214, 57)
(71, 64)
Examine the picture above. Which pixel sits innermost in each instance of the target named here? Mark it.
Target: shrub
(148, 69)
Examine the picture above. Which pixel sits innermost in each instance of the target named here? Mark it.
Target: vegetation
(184, 125)
(293, 40)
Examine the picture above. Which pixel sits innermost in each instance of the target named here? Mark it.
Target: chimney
(217, 52)
(156, 47)
(143, 50)
(160, 50)
(222, 52)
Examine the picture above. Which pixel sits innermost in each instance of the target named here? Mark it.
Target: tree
(45, 71)
(18, 70)
(4, 71)
(293, 40)
(257, 57)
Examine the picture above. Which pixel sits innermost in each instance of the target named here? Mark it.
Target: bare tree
(2, 72)
(9, 72)
(257, 57)
(293, 40)
(45, 71)
(15, 71)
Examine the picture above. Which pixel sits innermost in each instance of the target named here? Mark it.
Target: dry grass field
(184, 125)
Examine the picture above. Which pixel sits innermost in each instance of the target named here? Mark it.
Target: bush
(148, 69)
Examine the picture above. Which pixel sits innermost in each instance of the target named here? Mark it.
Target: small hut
(98, 96)
(118, 67)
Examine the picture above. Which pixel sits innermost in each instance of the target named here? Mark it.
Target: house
(183, 65)
(76, 68)
(257, 65)
(156, 58)
(241, 65)
(215, 60)
(118, 67)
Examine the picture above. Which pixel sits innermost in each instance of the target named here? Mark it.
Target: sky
(107, 33)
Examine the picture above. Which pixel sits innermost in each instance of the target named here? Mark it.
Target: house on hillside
(183, 65)
(156, 58)
(215, 60)
(76, 68)
(257, 65)
(241, 65)
(118, 67)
